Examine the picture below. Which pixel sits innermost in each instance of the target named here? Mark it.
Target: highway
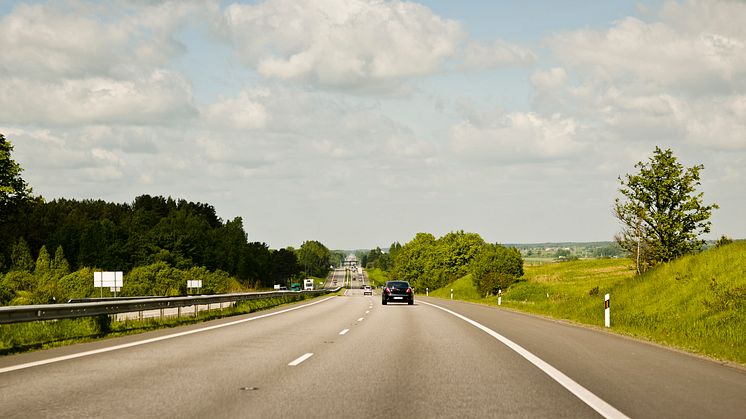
(349, 356)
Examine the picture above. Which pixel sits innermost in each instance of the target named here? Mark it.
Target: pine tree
(21, 257)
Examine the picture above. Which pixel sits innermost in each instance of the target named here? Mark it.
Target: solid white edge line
(151, 340)
(596, 403)
(344, 332)
(300, 359)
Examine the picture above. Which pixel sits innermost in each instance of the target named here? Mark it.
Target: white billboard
(108, 279)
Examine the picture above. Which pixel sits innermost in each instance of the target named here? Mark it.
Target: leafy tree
(14, 282)
(414, 259)
(254, 265)
(336, 258)
(230, 241)
(43, 263)
(661, 213)
(372, 257)
(13, 189)
(314, 257)
(284, 265)
(456, 250)
(156, 279)
(21, 257)
(496, 267)
(429, 263)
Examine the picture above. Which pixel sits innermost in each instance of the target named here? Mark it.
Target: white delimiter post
(451, 293)
(607, 315)
(427, 291)
(499, 297)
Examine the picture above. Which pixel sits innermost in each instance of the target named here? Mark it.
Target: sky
(359, 123)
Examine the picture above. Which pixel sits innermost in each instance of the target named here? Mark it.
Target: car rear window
(398, 284)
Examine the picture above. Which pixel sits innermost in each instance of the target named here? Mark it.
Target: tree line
(151, 239)
(427, 262)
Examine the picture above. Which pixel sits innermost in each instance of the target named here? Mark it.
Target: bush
(491, 282)
(496, 267)
(723, 240)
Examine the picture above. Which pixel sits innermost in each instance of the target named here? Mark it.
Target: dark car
(398, 292)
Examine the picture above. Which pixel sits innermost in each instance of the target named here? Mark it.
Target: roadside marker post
(499, 297)
(451, 293)
(427, 292)
(607, 315)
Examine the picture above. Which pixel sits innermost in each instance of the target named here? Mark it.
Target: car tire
(383, 302)
(410, 302)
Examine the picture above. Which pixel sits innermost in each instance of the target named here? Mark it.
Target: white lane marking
(300, 359)
(151, 340)
(596, 403)
(344, 332)
(360, 319)
(367, 312)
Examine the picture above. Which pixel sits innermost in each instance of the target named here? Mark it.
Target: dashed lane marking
(300, 359)
(146, 341)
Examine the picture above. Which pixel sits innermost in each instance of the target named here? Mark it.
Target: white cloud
(484, 56)
(244, 112)
(357, 44)
(516, 138)
(93, 63)
(551, 79)
(678, 80)
(157, 98)
(342, 42)
(83, 40)
(659, 54)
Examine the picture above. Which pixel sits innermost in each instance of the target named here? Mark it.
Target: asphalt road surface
(349, 356)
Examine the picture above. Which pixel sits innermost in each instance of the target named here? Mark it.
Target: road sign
(108, 279)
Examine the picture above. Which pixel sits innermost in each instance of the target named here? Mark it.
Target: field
(696, 303)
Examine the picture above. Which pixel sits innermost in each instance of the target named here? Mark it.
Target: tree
(21, 257)
(283, 266)
(496, 267)
(414, 261)
(43, 263)
(314, 258)
(661, 213)
(13, 189)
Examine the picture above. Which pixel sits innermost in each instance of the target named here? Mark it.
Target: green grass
(463, 289)
(377, 277)
(696, 303)
(22, 337)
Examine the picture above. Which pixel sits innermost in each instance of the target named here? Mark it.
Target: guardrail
(30, 313)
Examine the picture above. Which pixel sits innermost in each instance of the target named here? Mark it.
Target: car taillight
(409, 290)
(388, 290)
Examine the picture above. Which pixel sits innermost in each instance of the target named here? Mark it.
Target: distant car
(367, 290)
(398, 292)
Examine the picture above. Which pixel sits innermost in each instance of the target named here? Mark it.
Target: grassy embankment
(377, 277)
(696, 303)
(21, 337)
